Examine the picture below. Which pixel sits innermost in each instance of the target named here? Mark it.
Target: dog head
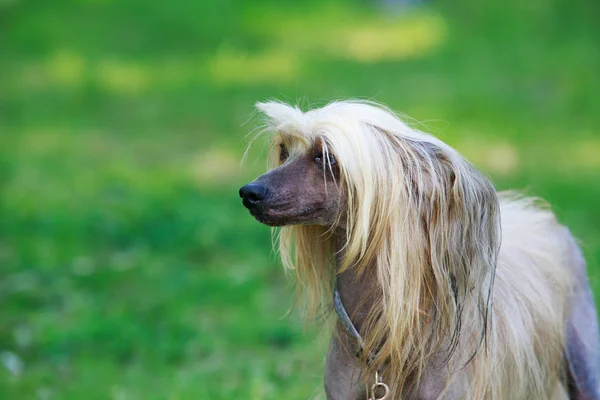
(303, 188)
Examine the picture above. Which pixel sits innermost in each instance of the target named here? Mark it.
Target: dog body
(541, 283)
(457, 292)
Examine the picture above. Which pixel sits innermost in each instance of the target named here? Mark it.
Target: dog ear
(280, 115)
(459, 210)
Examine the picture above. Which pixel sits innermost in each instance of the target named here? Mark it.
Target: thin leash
(379, 386)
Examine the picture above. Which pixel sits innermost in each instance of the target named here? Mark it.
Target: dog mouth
(280, 214)
(264, 217)
(282, 217)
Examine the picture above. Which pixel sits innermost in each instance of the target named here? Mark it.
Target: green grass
(129, 269)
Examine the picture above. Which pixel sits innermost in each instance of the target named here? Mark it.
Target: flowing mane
(417, 212)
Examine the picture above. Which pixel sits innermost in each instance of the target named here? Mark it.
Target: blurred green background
(129, 268)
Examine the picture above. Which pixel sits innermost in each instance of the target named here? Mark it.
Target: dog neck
(356, 291)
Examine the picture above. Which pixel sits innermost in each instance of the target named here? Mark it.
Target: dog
(444, 287)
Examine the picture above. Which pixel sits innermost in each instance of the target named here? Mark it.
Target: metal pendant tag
(379, 387)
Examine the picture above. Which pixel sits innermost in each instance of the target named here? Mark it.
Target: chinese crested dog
(443, 287)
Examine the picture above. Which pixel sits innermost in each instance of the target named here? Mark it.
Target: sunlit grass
(66, 68)
(235, 67)
(586, 153)
(330, 31)
(215, 165)
(122, 77)
(499, 158)
(390, 40)
(507, 159)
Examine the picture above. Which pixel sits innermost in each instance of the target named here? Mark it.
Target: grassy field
(129, 268)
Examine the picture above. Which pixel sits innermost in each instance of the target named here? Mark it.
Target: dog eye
(330, 158)
(283, 152)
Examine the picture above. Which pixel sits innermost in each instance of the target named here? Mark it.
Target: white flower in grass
(12, 363)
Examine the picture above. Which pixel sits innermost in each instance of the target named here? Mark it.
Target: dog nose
(252, 193)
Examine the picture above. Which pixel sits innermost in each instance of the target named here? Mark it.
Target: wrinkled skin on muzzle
(301, 191)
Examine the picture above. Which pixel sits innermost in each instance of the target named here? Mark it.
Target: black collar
(343, 316)
(347, 322)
